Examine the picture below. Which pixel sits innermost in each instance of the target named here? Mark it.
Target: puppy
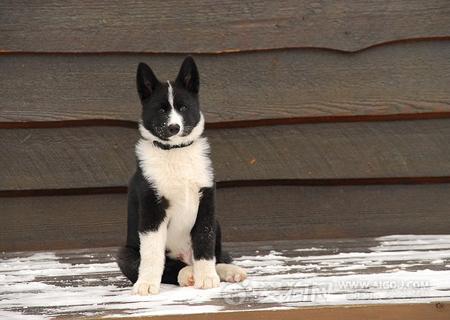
(173, 236)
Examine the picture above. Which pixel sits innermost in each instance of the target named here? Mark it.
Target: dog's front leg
(152, 237)
(203, 236)
(151, 266)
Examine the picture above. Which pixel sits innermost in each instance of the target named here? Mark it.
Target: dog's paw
(144, 288)
(206, 280)
(230, 272)
(186, 277)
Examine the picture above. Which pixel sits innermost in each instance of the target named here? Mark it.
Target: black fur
(155, 107)
(129, 260)
(206, 233)
(203, 233)
(146, 210)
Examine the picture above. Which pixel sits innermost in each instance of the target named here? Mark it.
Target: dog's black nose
(174, 129)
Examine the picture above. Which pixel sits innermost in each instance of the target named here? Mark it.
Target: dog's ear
(146, 81)
(188, 76)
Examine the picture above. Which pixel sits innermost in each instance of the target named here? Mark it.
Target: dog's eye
(183, 108)
(162, 109)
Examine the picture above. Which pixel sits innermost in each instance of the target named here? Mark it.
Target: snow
(399, 269)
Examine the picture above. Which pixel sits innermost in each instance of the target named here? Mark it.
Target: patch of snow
(416, 242)
(7, 315)
(257, 263)
(277, 279)
(351, 267)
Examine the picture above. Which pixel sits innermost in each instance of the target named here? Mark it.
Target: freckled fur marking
(177, 139)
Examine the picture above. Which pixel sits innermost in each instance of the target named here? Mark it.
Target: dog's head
(170, 110)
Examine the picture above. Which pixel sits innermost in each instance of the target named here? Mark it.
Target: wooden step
(391, 277)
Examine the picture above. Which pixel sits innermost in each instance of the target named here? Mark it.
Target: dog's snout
(174, 129)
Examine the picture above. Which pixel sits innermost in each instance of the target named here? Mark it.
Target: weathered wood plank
(64, 158)
(405, 78)
(362, 274)
(246, 214)
(202, 26)
(104, 156)
(339, 150)
(414, 311)
(42, 223)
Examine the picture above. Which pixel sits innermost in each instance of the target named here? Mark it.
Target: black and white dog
(173, 236)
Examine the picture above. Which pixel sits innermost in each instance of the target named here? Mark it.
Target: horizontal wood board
(404, 78)
(246, 214)
(412, 311)
(104, 156)
(202, 26)
(315, 279)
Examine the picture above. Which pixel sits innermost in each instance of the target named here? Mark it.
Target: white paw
(144, 288)
(230, 272)
(206, 280)
(186, 277)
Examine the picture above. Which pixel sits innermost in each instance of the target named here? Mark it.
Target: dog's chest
(177, 171)
(178, 175)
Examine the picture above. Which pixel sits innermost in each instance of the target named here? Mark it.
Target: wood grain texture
(414, 311)
(405, 78)
(281, 212)
(60, 158)
(44, 223)
(203, 26)
(313, 279)
(104, 156)
(326, 151)
(298, 212)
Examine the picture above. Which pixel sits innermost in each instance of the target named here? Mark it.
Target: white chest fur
(178, 175)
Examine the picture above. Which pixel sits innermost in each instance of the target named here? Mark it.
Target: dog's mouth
(161, 132)
(179, 132)
(187, 131)
(168, 134)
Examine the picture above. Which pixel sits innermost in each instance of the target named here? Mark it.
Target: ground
(282, 275)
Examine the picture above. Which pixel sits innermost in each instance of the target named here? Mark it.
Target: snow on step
(289, 274)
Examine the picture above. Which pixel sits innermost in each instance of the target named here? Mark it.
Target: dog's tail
(128, 259)
(222, 256)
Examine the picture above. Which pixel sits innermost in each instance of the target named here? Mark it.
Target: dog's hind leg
(230, 272)
(171, 270)
(129, 259)
(227, 272)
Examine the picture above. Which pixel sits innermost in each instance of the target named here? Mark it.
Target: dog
(173, 236)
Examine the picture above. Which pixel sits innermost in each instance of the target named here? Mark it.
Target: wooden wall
(326, 118)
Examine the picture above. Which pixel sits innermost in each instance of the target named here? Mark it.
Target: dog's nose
(174, 129)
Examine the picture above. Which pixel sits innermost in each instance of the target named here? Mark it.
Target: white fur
(170, 94)
(178, 139)
(226, 272)
(178, 175)
(174, 116)
(205, 275)
(186, 277)
(230, 273)
(152, 260)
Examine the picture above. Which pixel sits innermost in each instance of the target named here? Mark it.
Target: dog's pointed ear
(188, 76)
(146, 81)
